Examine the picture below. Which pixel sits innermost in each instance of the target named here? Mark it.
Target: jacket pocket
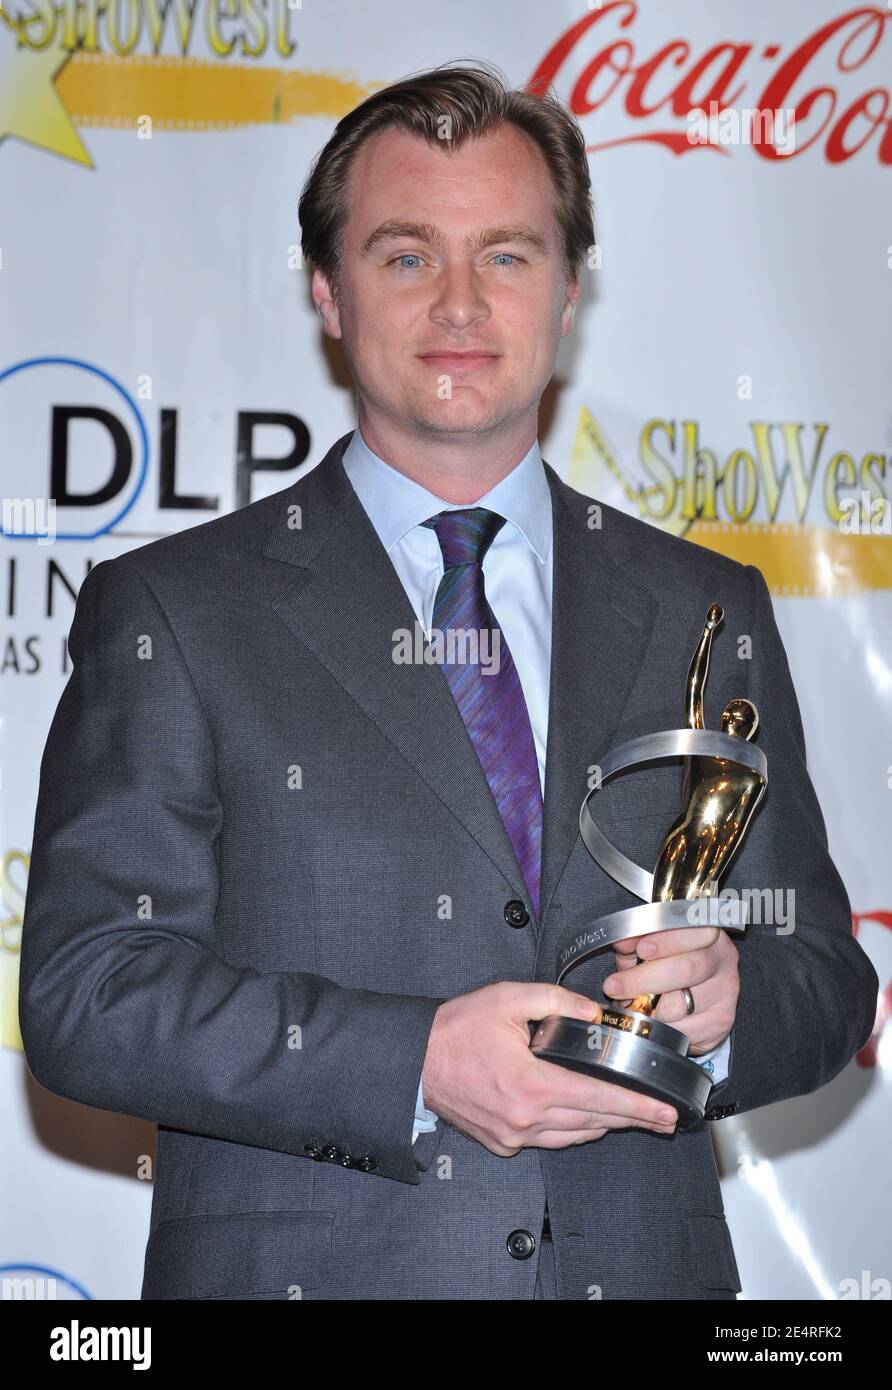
(714, 1261)
(272, 1254)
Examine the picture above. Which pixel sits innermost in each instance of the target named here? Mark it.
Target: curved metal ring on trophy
(724, 779)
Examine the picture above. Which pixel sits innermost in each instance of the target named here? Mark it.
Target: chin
(459, 422)
(469, 413)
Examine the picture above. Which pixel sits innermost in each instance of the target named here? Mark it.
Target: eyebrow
(427, 232)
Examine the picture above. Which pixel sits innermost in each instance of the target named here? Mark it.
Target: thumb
(538, 1001)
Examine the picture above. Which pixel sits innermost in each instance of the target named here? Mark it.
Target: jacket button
(520, 1245)
(367, 1163)
(516, 914)
(312, 1151)
(331, 1152)
(345, 1160)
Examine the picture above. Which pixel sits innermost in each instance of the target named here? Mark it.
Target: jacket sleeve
(808, 990)
(126, 1002)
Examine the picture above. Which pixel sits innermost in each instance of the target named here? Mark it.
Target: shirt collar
(396, 503)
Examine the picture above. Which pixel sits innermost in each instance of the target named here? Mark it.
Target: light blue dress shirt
(517, 570)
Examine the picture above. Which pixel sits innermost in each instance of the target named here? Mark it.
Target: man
(295, 892)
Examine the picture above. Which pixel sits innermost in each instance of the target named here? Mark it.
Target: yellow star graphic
(30, 107)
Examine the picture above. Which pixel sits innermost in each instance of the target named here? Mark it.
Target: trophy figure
(724, 780)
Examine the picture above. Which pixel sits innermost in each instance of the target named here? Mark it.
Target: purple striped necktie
(485, 684)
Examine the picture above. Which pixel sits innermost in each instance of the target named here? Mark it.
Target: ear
(326, 305)
(571, 295)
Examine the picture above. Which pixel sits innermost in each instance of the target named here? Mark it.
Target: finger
(569, 1090)
(572, 1121)
(603, 1097)
(670, 943)
(673, 1008)
(522, 1002)
(623, 1122)
(703, 1031)
(561, 1139)
(556, 1139)
(660, 976)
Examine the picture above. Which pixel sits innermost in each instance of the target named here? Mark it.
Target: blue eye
(507, 257)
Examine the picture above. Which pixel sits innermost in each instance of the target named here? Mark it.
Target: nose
(459, 300)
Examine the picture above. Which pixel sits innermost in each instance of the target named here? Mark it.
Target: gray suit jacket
(246, 818)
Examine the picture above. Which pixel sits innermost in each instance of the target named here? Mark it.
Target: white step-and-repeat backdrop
(728, 378)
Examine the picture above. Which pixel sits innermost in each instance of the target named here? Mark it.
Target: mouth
(459, 361)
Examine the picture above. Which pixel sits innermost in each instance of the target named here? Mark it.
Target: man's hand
(481, 1077)
(704, 959)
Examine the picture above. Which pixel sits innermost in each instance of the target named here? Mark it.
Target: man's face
(448, 254)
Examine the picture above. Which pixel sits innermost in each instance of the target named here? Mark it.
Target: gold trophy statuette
(725, 777)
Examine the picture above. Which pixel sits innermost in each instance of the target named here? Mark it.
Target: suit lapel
(601, 623)
(345, 604)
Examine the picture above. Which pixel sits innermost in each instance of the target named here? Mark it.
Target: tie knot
(465, 536)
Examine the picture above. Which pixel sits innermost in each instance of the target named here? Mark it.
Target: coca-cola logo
(613, 79)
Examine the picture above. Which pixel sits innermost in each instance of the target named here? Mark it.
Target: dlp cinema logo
(77, 453)
(76, 450)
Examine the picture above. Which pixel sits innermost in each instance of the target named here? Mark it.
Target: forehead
(499, 177)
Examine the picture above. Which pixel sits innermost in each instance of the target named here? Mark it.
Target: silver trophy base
(643, 1064)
